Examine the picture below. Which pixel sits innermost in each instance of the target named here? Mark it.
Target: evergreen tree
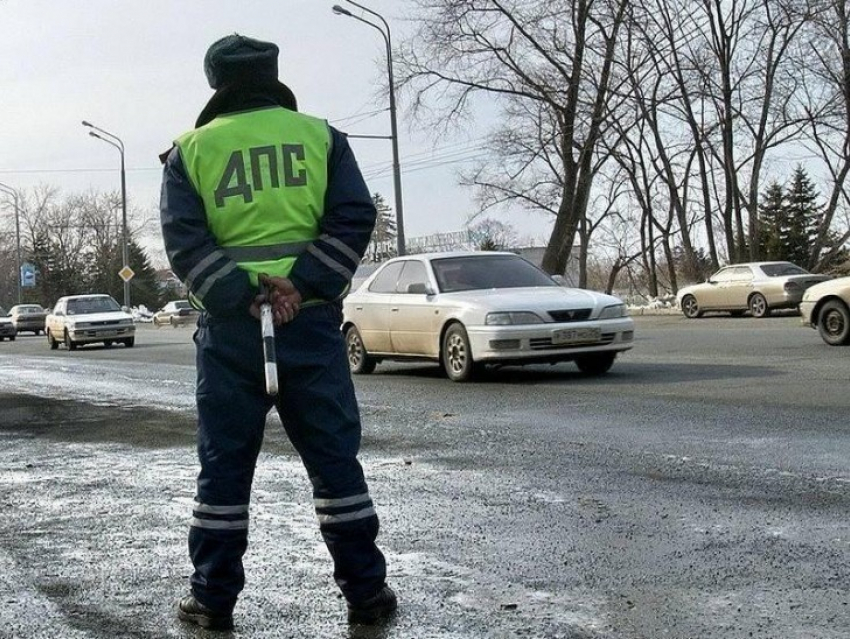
(803, 218)
(382, 244)
(771, 220)
(144, 287)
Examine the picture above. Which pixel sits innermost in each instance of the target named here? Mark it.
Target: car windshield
(30, 310)
(88, 305)
(475, 272)
(786, 268)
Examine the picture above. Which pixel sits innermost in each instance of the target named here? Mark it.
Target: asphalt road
(698, 491)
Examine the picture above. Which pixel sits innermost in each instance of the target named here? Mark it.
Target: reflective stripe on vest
(262, 176)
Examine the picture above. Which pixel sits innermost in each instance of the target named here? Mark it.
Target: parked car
(177, 313)
(466, 310)
(757, 287)
(826, 307)
(7, 327)
(84, 319)
(28, 317)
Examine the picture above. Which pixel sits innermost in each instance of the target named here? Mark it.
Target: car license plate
(576, 336)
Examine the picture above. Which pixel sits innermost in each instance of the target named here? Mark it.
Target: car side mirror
(420, 288)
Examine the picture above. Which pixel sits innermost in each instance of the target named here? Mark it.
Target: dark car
(177, 313)
(7, 327)
(28, 317)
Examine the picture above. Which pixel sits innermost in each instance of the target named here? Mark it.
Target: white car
(826, 307)
(84, 319)
(466, 310)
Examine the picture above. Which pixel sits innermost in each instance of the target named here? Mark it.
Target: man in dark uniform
(259, 193)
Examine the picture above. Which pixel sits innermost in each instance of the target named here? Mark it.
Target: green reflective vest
(262, 176)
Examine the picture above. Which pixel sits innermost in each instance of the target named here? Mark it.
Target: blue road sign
(27, 275)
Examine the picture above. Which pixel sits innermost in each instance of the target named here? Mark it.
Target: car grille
(101, 324)
(545, 343)
(571, 315)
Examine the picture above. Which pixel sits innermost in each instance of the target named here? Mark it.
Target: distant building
(169, 284)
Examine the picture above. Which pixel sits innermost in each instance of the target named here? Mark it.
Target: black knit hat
(236, 59)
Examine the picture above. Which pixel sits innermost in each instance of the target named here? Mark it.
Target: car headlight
(512, 318)
(614, 311)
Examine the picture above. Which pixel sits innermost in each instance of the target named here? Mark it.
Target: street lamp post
(115, 141)
(385, 33)
(16, 199)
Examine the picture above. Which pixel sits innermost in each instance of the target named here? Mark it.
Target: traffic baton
(269, 353)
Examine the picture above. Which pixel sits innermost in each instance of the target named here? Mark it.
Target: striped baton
(269, 355)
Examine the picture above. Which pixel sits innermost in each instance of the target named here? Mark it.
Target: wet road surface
(699, 491)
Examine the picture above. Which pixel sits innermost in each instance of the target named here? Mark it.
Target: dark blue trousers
(319, 411)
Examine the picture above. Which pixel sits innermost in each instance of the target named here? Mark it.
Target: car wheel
(130, 342)
(457, 355)
(758, 306)
(173, 322)
(12, 338)
(598, 364)
(69, 343)
(359, 361)
(690, 308)
(834, 323)
(108, 343)
(51, 341)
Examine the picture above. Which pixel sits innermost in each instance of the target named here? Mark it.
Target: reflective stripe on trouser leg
(319, 411)
(232, 408)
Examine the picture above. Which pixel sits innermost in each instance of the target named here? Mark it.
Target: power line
(77, 170)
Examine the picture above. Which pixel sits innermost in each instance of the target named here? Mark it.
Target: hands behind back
(282, 295)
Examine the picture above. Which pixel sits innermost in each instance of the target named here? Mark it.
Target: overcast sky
(135, 68)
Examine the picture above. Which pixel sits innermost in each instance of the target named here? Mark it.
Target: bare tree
(825, 56)
(551, 65)
(492, 235)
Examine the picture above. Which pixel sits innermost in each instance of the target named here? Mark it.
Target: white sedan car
(826, 307)
(84, 319)
(466, 310)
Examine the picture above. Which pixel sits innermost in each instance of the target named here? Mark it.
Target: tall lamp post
(5, 188)
(115, 141)
(385, 33)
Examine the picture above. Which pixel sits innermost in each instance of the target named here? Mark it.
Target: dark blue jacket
(322, 273)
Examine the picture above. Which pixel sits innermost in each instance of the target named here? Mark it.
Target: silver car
(466, 310)
(757, 287)
(826, 307)
(84, 319)
(176, 313)
(28, 317)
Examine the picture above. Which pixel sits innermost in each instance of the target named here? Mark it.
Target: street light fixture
(5, 188)
(115, 141)
(385, 33)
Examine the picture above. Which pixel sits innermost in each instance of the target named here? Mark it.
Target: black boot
(378, 607)
(193, 611)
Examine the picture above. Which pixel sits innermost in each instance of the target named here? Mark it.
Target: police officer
(260, 189)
